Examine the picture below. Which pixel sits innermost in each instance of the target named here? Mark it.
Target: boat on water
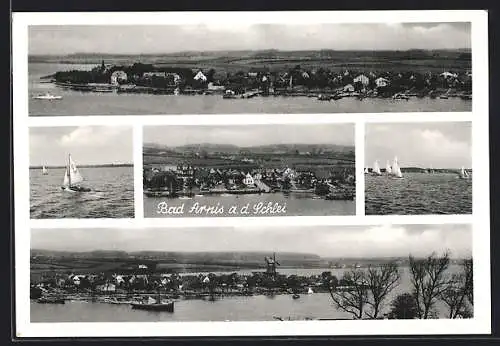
(44, 170)
(72, 178)
(400, 97)
(154, 305)
(50, 300)
(464, 174)
(366, 171)
(376, 168)
(47, 96)
(388, 168)
(296, 296)
(323, 97)
(310, 291)
(396, 170)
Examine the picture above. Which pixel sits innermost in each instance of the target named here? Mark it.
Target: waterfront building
(381, 82)
(118, 77)
(362, 79)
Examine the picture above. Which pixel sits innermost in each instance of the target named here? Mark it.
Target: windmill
(271, 264)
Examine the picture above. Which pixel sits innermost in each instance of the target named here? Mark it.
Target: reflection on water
(418, 193)
(265, 204)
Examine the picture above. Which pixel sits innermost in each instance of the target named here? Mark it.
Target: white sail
(366, 170)
(464, 173)
(66, 178)
(310, 291)
(388, 167)
(44, 170)
(75, 175)
(376, 168)
(396, 171)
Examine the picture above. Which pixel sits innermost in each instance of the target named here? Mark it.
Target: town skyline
(71, 39)
(324, 241)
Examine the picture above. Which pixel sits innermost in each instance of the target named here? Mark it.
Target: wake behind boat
(47, 96)
(72, 178)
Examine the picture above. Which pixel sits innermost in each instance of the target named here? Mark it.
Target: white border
(480, 324)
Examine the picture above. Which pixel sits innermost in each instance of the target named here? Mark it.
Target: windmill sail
(376, 168)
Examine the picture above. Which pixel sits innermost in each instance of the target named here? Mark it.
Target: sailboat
(72, 178)
(388, 168)
(376, 168)
(366, 171)
(396, 170)
(44, 170)
(464, 174)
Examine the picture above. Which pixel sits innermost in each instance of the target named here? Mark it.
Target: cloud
(442, 145)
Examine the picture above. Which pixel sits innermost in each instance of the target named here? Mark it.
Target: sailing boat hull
(75, 189)
(168, 307)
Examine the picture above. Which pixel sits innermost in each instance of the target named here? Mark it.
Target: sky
(147, 39)
(251, 135)
(50, 146)
(440, 145)
(325, 241)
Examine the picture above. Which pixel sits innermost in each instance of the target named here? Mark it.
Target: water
(112, 194)
(255, 308)
(87, 103)
(418, 193)
(295, 205)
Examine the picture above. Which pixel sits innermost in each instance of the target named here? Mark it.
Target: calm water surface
(418, 193)
(256, 308)
(112, 194)
(85, 103)
(296, 204)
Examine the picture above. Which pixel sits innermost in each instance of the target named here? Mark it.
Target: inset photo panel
(81, 172)
(418, 168)
(249, 170)
(252, 273)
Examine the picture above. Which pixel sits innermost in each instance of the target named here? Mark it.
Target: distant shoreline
(87, 166)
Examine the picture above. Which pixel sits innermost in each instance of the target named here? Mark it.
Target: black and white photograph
(418, 168)
(81, 172)
(249, 170)
(249, 273)
(228, 68)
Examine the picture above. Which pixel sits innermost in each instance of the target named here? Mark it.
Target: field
(435, 61)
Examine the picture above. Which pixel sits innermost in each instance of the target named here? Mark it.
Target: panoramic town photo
(261, 68)
(249, 170)
(418, 168)
(251, 273)
(81, 172)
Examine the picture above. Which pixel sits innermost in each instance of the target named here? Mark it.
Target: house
(200, 77)
(349, 88)
(107, 287)
(154, 74)
(248, 180)
(117, 77)
(143, 266)
(381, 82)
(362, 79)
(447, 75)
(252, 74)
(305, 75)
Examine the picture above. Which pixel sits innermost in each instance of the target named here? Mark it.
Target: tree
(381, 281)
(354, 298)
(403, 307)
(458, 294)
(429, 281)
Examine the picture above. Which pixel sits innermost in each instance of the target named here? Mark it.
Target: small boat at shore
(47, 96)
(296, 296)
(50, 300)
(154, 305)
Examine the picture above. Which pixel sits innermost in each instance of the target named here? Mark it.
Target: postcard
(216, 174)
